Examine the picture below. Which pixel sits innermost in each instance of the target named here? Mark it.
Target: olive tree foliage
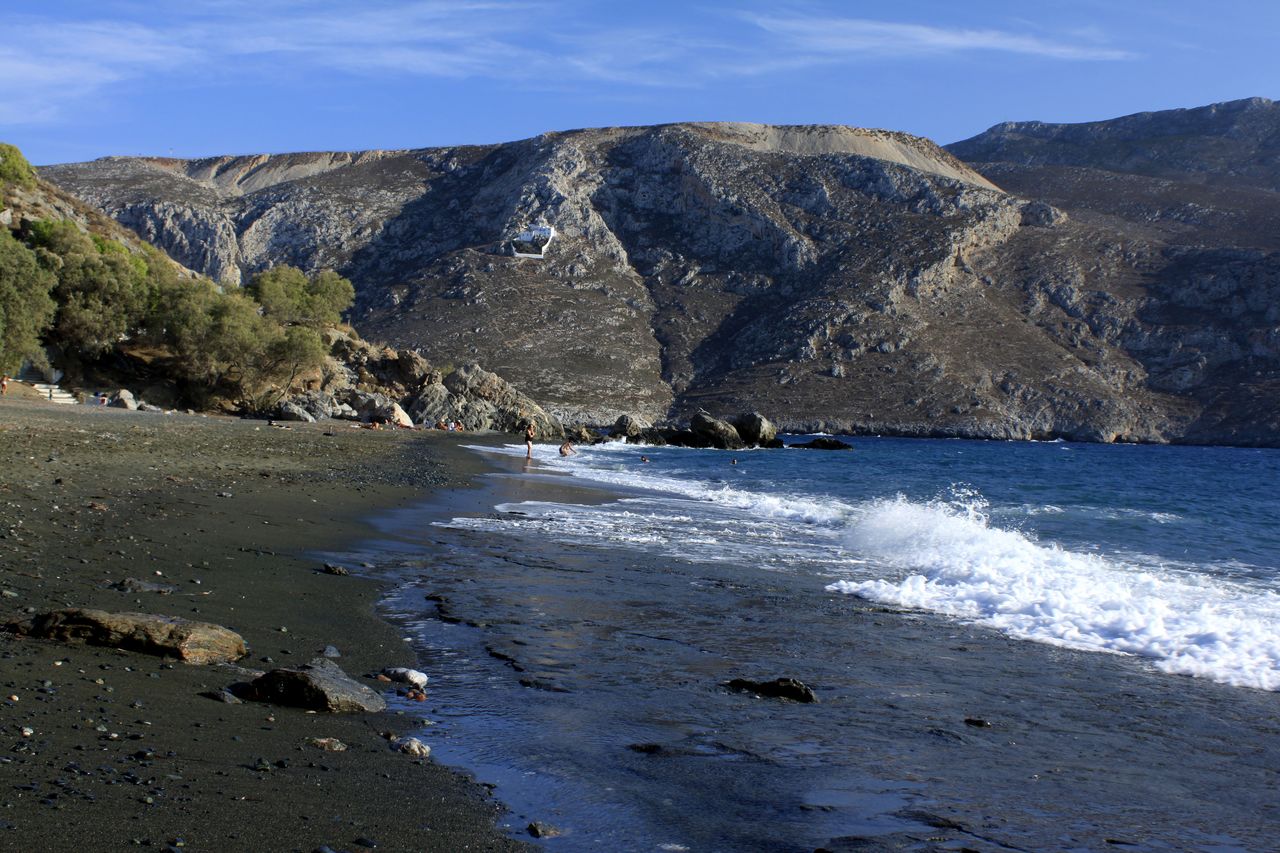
(25, 305)
(292, 298)
(211, 335)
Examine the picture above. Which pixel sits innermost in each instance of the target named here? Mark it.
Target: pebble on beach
(411, 746)
(406, 676)
(328, 744)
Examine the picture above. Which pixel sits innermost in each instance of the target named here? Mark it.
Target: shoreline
(123, 750)
(586, 682)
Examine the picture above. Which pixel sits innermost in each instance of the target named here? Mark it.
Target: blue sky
(202, 77)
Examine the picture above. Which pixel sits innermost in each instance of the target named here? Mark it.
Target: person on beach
(566, 449)
(528, 440)
(4, 384)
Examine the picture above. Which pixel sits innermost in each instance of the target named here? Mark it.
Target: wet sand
(123, 750)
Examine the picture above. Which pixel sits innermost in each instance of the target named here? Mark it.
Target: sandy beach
(105, 749)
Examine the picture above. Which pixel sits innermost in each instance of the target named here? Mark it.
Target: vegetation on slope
(91, 297)
(14, 168)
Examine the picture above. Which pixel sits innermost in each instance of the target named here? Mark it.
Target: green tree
(214, 337)
(25, 305)
(292, 352)
(331, 294)
(281, 291)
(289, 297)
(220, 342)
(102, 289)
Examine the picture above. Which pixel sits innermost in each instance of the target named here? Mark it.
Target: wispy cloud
(437, 39)
(49, 64)
(45, 67)
(850, 38)
(52, 64)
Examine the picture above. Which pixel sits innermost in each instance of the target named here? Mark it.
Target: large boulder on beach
(629, 426)
(719, 433)
(317, 686)
(377, 408)
(511, 409)
(169, 636)
(288, 411)
(479, 400)
(433, 403)
(581, 434)
(123, 399)
(755, 428)
(317, 404)
(397, 416)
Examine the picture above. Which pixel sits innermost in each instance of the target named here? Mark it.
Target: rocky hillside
(1236, 143)
(1204, 176)
(1196, 195)
(829, 277)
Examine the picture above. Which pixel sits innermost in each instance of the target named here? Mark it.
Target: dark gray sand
(122, 750)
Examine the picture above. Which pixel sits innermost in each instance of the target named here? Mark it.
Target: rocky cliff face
(829, 277)
(1194, 198)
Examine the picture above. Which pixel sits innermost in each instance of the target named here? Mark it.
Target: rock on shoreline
(317, 686)
(190, 642)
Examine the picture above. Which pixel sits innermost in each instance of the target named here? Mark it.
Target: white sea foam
(952, 561)
(593, 463)
(672, 526)
(678, 514)
(942, 556)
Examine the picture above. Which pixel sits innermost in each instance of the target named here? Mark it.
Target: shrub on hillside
(86, 293)
(14, 168)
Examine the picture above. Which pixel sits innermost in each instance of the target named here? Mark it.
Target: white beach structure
(532, 242)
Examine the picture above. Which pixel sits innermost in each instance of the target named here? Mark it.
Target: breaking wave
(952, 561)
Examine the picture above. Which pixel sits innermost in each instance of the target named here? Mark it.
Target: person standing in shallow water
(528, 441)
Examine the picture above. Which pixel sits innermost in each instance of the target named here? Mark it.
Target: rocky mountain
(1196, 195)
(1203, 176)
(830, 277)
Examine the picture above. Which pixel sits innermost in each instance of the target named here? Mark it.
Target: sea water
(913, 583)
(1169, 553)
